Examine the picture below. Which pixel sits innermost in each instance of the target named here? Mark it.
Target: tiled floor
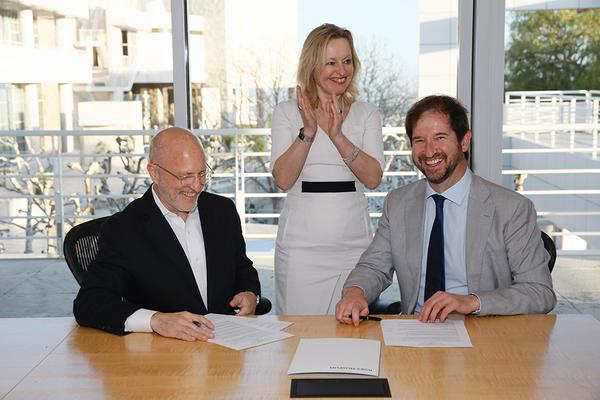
(46, 288)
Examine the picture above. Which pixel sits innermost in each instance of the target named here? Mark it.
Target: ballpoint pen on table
(367, 318)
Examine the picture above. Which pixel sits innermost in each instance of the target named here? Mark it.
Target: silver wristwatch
(303, 137)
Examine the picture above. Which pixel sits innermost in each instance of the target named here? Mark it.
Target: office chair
(550, 248)
(383, 307)
(81, 247)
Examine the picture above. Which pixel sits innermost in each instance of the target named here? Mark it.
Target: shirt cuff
(476, 312)
(139, 321)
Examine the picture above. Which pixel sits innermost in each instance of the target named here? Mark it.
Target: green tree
(553, 50)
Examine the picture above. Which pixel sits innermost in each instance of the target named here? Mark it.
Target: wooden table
(520, 357)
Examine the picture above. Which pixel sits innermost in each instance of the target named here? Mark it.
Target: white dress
(321, 235)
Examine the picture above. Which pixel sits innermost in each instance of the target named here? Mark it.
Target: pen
(367, 318)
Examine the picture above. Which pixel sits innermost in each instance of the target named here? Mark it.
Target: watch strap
(305, 138)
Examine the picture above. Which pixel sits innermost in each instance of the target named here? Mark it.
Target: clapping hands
(330, 116)
(307, 113)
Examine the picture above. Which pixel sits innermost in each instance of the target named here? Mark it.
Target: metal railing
(551, 148)
(52, 180)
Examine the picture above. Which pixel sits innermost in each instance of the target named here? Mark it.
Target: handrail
(237, 169)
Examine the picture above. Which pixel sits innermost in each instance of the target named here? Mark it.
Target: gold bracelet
(348, 160)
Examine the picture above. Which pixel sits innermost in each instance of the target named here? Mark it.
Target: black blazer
(140, 264)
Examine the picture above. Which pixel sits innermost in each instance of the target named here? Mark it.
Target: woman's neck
(324, 99)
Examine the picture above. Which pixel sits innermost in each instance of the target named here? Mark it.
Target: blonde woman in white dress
(327, 147)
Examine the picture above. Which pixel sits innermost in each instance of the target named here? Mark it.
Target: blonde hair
(313, 55)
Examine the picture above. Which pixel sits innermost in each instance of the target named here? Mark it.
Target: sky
(394, 24)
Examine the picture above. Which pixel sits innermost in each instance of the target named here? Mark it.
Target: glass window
(77, 66)
(124, 43)
(11, 107)
(17, 107)
(101, 57)
(9, 27)
(243, 63)
(4, 111)
(551, 117)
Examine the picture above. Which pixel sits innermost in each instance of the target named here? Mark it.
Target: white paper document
(336, 356)
(274, 325)
(240, 333)
(413, 333)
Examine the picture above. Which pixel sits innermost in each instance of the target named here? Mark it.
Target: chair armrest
(384, 307)
(263, 307)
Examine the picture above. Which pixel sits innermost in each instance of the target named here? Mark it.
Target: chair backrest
(550, 248)
(81, 246)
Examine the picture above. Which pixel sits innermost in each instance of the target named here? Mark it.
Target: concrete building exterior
(250, 56)
(107, 65)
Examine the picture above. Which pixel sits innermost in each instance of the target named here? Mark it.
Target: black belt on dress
(328, 187)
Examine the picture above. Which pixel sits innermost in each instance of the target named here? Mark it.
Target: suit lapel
(413, 216)
(480, 214)
(161, 236)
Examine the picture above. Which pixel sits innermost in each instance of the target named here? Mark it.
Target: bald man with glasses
(172, 255)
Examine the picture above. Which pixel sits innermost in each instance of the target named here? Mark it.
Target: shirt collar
(456, 193)
(165, 211)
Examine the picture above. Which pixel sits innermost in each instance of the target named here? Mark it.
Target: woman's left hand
(336, 118)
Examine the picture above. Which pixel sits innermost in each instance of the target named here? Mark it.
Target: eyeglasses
(203, 176)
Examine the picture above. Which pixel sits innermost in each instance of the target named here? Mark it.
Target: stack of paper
(240, 333)
(336, 357)
(413, 333)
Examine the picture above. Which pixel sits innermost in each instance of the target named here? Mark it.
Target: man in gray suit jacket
(457, 242)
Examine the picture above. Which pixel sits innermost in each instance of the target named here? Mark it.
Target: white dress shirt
(455, 236)
(189, 235)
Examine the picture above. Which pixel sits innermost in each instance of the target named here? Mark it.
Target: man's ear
(465, 144)
(152, 170)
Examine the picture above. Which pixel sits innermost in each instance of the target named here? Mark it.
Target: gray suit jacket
(507, 265)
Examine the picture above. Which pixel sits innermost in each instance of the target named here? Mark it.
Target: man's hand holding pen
(182, 325)
(352, 307)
